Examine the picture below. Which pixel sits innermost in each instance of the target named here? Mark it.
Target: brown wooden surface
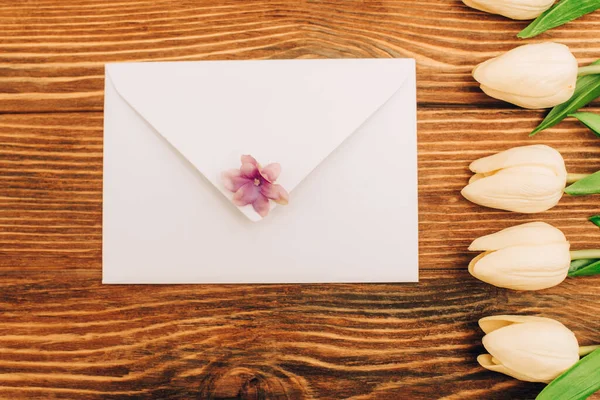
(64, 335)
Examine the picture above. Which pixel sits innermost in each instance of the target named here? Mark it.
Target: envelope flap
(294, 112)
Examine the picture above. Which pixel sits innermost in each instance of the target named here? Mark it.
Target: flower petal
(261, 205)
(271, 172)
(249, 170)
(529, 233)
(524, 189)
(515, 9)
(233, 180)
(524, 267)
(532, 102)
(488, 362)
(539, 351)
(495, 322)
(247, 194)
(477, 177)
(275, 192)
(248, 159)
(518, 72)
(519, 156)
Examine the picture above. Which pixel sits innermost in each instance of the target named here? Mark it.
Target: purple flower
(253, 184)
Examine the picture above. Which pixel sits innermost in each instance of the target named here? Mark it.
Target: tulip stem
(585, 350)
(572, 178)
(589, 70)
(583, 254)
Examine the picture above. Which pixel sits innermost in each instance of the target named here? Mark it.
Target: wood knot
(249, 384)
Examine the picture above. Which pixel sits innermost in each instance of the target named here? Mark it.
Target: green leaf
(595, 220)
(582, 262)
(588, 185)
(577, 383)
(586, 267)
(587, 90)
(590, 120)
(562, 12)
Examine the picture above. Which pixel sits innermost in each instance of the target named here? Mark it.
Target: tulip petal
(529, 102)
(534, 351)
(271, 172)
(247, 194)
(233, 180)
(475, 260)
(518, 77)
(495, 322)
(530, 233)
(275, 192)
(477, 177)
(525, 189)
(515, 9)
(261, 205)
(540, 155)
(527, 267)
(248, 159)
(487, 362)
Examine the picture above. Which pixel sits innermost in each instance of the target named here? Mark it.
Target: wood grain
(63, 335)
(50, 204)
(67, 336)
(53, 52)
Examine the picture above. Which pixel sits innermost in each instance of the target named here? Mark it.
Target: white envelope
(344, 132)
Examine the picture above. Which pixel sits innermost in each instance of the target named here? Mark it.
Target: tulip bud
(531, 76)
(526, 179)
(515, 9)
(531, 349)
(531, 256)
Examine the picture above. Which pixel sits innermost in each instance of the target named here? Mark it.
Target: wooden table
(64, 335)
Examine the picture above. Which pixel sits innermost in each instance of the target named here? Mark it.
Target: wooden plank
(51, 185)
(64, 335)
(53, 52)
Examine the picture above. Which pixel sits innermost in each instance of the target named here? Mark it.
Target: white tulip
(532, 349)
(531, 256)
(515, 9)
(525, 179)
(531, 76)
